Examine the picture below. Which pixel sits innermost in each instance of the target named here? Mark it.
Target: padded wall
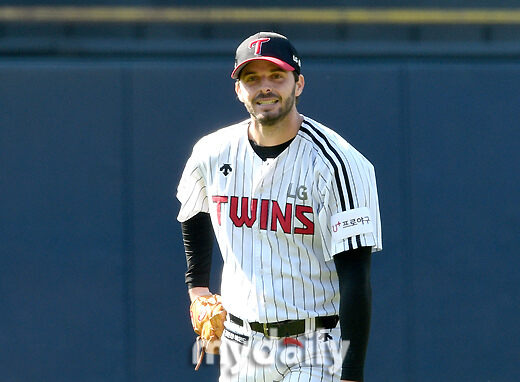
(91, 269)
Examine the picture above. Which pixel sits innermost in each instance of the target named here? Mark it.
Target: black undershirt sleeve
(197, 234)
(353, 268)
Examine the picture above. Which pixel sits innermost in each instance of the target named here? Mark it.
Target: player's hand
(198, 292)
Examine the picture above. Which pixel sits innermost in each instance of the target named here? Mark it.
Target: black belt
(286, 328)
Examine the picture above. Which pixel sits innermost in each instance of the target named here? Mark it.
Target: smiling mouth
(266, 102)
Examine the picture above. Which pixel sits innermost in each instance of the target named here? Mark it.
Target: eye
(251, 79)
(276, 76)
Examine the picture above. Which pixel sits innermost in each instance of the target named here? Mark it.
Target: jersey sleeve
(349, 217)
(191, 191)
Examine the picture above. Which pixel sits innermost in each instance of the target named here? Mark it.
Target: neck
(272, 135)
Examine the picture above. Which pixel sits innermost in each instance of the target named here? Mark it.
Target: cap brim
(282, 64)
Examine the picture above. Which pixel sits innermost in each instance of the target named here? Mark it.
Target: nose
(265, 86)
(266, 90)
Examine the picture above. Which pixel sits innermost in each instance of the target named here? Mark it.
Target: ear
(238, 90)
(300, 85)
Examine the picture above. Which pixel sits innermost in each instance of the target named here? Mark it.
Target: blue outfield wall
(92, 264)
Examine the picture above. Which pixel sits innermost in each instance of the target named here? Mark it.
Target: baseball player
(294, 208)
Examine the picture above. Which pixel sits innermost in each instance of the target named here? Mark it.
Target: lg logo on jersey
(299, 192)
(250, 209)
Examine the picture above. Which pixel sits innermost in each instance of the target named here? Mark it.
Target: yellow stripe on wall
(115, 14)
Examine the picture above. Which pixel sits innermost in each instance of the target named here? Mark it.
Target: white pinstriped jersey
(279, 222)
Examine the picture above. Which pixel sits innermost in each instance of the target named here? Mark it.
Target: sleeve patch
(351, 223)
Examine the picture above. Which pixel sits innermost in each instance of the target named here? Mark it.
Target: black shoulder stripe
(315, 130)
(338, 157)
(336, 171)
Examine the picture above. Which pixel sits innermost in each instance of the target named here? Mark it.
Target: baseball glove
(207, 318)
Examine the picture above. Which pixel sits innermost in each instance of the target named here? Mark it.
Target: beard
(270, 118)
